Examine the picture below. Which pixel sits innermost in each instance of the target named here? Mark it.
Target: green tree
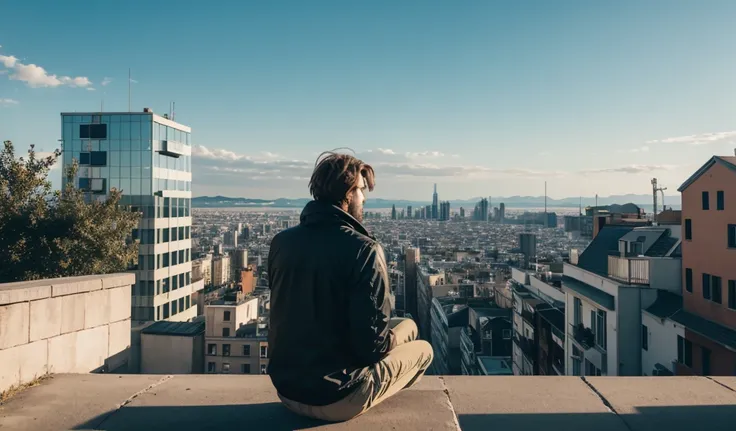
(48, 234)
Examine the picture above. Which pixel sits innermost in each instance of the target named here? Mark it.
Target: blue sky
(481, 97)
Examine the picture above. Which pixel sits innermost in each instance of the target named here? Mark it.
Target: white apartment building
(234, 341)
(220, 270)
(617, 286)
(148, 158)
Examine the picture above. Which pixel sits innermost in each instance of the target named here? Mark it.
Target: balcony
(192, 402)
(583, 336)
(629, 270)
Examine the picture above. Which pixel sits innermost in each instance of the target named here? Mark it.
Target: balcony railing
(584, 336)
(629, 270)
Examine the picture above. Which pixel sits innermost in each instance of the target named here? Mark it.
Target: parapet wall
(63, 325)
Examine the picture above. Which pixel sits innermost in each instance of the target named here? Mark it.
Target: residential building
(202, 269)
(528, 247)
(247, 280)
(235, 341)
(238, 262)
(220, 270)
(708, 346)
(148, 158)
(231, 239)
(172, 348)
(623, 271)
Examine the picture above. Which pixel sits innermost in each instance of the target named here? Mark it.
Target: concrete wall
(662, 343)
(546, 292)
(666, 274)
(628, 338)
(168, 354)
(240, 314)
(64, 325)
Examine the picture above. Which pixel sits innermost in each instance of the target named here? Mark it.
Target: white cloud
(642, 149)
(630, 169)
(91, 89)
(106, 81)
(8, 102)
(36, 76)
(701, 139)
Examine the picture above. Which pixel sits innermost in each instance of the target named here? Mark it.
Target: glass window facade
(121, 151)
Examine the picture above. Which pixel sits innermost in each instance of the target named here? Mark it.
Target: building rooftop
(595, 257)
(193, 402)
(162, 327)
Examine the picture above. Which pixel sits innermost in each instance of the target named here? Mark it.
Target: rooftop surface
(192, 402)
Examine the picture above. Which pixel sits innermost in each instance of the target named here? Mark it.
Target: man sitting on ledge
(335, 351)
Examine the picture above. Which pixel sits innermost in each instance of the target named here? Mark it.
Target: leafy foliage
(48, 234)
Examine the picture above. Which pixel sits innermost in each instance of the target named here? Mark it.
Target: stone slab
(118, 351)
(726, 381)
(116, 280)
(79, 352)
(190, 402)
(21, 364)
(672, 403)
(72, 313)
(14, 323)
(119, 303)
(528, 403)
(68, 400)
(75, 285)
(45, 318)
(96, 308)
(24, 291)
(62, 355)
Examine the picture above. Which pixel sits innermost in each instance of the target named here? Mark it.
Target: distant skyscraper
(462, 212)
(435, 208)
(428, 212)
(148, 158)
(393, 212)
(445, 211)
(481, 210)
(409, 214)
(502, 213)
(528, 247)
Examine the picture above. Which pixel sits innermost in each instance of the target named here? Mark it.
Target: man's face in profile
(356, 199)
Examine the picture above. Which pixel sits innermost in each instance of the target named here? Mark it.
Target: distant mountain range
(645, 201)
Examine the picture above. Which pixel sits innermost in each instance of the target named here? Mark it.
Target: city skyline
(495, 100)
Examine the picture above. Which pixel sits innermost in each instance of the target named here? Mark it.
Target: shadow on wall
(273, 416)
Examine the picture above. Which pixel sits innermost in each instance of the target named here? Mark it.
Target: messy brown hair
(336, 176)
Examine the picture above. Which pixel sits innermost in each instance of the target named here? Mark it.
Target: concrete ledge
(192, 402)
(24, 291)
(74, 285)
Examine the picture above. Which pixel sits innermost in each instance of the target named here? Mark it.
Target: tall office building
(502, 213)
(435, 209)
(393, 212)
(148, 158)
(409, 214)
(462, 212)
(528, 247)
(481, 210)
(428, 212)
(445, 211)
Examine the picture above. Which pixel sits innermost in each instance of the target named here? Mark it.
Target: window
(84, 158)
(225, 350)
(506, 334)
(166, 235)
(591, 370)
(706, 201)
(225, 367)
(181, 279)
(576, 362)
(181, 304)
(706, 286)
(158, 313)
(174, 283)
(225, 332)
(246, 350)
(732, 294)
(732, 236)
(264, 351)
(245, 368)
(211, 367)
(174, 307)
(98, 158)
(578, 310)
(720, 204)
(166, 260)
(174, 237)
(93, 131)
(263, 369)
(689, 279)
(688, 229)
(705, 358)
(637, 248)
(716, 289)
(181, 233)
(84, 183)
(166, 310)
(684, 351)
(212, 349)
(600, 329)
(226, 316)
(644, 337)
(165, 282)
(188, 303)
(174, 258)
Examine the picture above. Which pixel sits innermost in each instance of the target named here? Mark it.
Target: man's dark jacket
(330, 306)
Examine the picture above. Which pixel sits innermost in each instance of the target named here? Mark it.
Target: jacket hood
(320, 213)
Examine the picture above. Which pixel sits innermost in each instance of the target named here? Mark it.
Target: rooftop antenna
(173, 111)
(129, 81)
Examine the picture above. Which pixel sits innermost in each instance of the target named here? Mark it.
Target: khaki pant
(403, 366)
